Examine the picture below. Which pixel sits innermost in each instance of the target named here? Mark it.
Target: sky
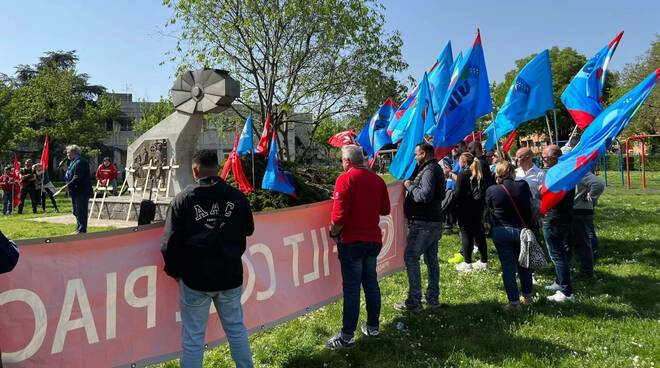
(121, 43)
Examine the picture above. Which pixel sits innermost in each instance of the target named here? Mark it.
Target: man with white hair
(530, 173)
(360, 198)
(78, 179)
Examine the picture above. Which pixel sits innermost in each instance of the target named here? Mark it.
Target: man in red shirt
(8, 185)
(106, 173)
(360, 198)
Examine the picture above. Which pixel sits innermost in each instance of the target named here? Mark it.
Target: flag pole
(252, 151)
(554, 113)
(13, 187)
(497, 139)
(547, 122)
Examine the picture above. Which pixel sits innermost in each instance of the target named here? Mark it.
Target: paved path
(70, 219)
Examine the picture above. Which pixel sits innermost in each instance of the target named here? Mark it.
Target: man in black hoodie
(423, 209)
(204, 238)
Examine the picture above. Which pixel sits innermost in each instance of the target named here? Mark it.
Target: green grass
(17, 226)
(614, 323)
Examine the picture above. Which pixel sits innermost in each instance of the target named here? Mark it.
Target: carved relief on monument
(152, 151)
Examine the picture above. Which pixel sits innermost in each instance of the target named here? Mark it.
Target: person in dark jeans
(579, 241)
(556, 226)
(46, 187)
(509, 218)
(360, 198)
(423, 209)
(28, 187)
(470, 192)
(79, 183)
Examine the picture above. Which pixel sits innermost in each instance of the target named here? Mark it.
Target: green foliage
(326, 129)
(565, 63)
(647, 119)
(52, 98)
(313, 56)
(152, 114)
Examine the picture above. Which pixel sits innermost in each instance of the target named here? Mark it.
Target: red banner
(102, 299)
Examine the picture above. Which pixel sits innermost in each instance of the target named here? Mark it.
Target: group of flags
(275, 178)
(444, 107)
(452, 95)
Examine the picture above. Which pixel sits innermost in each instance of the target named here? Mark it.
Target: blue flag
(274, 178)
(529, 97)
(245, 144)
(438, 77)
(583, 96)
(374, 135)
(467, 98)
(594, 143)
(403, 163)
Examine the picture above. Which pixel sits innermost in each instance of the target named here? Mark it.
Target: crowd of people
(34, 182)
(203, 253)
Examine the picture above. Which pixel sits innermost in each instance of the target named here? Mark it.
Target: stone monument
(174, 139)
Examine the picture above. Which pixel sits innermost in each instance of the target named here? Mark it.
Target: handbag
(8, 254)
(531, 254)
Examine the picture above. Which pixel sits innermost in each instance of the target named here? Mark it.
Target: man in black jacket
(78, 178)
(204, 238)
(423, 209)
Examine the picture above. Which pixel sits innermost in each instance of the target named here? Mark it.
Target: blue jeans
(358, 267)
(423, 238)
(7, 202)
(555, 238)
(507, 243)
(194, 307)
(79, 205)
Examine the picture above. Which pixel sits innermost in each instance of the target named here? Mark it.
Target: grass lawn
(615, 321)
(17, 226)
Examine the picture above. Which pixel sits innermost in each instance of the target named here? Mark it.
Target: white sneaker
(560, 297)
(464, 267)
(553, 287)
(480, 266)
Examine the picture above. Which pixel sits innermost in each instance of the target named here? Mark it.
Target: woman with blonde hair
(511, 211)
(470, 202)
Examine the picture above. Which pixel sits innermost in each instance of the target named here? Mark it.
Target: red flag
(262, 147)
(478, 135)
(44, 155)
(17, 177)
(509, 141)
(234, 164)
(342, 138)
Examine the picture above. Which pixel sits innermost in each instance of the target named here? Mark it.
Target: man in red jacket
(360, 198)
(106, 174)
(8, 184)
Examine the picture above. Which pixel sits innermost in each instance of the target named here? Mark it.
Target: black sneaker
(338, 342)
(369, 331)
(403, 307)
(433, 304)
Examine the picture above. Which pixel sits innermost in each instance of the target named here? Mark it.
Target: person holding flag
(46, 187)
(28, 187)
(8, 184)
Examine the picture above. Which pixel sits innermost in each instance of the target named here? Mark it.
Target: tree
(647, 119)
(152, 114)
(565, 63)
(52, 98)
(314, 56)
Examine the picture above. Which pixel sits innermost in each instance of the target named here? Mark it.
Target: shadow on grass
(474, 331)
(614, 252)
